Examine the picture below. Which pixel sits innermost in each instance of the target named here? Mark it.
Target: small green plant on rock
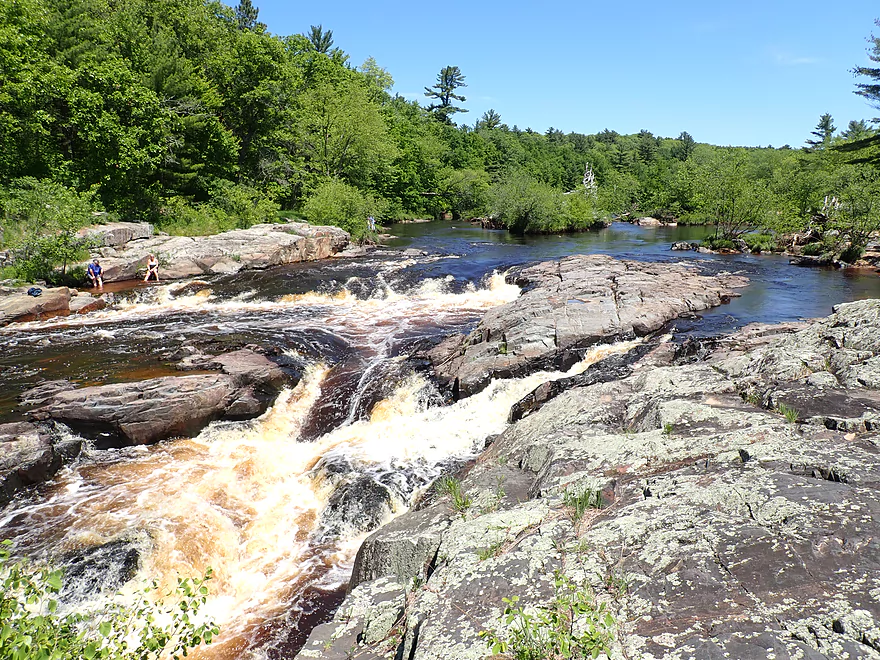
(452, 487)
(579, 502)
(572, 625)
(791, 414)
(668, 428)
(490, 551)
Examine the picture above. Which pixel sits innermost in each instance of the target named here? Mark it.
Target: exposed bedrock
(739, 511)
(569, 305)
(31, 454)
(16, 305)
(143, 412)
(259, 246)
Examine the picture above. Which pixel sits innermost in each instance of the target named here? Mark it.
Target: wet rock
(101, 569)
(684, 246)
(370, 613)
(85, 303)
(16, 305)
(260, 246)
(30, 454)
(37, 396)
(143, 412)
(566, 307)
(405, 548)
(808, 260)
(356, 507)
(188, 288)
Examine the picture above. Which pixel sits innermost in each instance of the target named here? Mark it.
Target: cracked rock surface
(569, 305)
(727, 529)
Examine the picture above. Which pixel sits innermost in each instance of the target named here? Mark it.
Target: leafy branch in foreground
(571, 626)
(31, 626)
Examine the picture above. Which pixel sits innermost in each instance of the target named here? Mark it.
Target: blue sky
(742, 73)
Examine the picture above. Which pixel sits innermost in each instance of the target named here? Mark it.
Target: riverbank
(717, 498)
(123, 250)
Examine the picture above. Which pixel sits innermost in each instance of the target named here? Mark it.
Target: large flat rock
(569, 305)
(17, 305)
(115, 234)
(148, 411)
(259, 246)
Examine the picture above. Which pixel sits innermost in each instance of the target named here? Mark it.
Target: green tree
(685, 146)
(321, 40)
(341, 131)
(489, 120)
(40, 224)
(246, 15)
(449, 79)
(726, 192)
(822, 134)
(337, 203)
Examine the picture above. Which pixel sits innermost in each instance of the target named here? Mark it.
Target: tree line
(190, 114)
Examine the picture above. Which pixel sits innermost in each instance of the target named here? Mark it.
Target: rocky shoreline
(123, 249)
(736, 483)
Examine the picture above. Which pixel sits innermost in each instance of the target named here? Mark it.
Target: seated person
(96, 274)
(152, 268)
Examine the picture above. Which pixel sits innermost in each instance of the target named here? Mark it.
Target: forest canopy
(191, 115)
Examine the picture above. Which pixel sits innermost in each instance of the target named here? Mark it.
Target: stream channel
(278, 506)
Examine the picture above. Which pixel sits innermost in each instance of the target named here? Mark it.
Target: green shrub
(452, 487)
(527, 206)
(232, 206)
(573, 625)
(760, 242)
(32, 627)
(813, 249)
(580, 501)
(852, 253)
(341, 205)
(715, 243)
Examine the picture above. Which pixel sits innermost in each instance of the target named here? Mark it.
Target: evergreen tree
(823, 133)
(246, 15)
(449, 79)
(685, 147)
(490, 120)
(321, 40)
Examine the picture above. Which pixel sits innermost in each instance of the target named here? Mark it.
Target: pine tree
(823, 133)
(449, 79)
(246, 15)
(321, 41)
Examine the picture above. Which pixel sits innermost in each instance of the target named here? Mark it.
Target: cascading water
(276, 510)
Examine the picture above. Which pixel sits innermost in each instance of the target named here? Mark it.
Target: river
(278, 506)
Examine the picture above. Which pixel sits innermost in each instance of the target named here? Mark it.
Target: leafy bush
(813, 249)
(852, 253)
(527, 206)
(341, 205)
(571, 626)
(32, 627)
(760, 242)
(39, 225)
(232, 206)
(715, 243)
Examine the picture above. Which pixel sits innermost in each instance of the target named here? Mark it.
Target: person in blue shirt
(96, 274)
